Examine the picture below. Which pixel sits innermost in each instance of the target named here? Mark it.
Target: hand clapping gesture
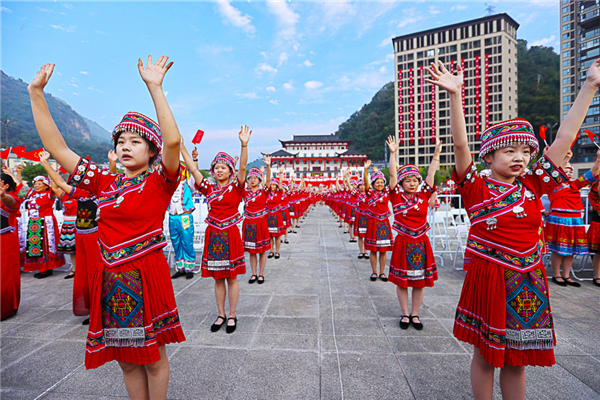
(154, 74)
(444, 79)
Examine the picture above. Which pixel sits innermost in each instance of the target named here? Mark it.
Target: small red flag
(5, 153)
(19, 150)
(576, 137)
(33, 155)
(591, 135)
(62, 170)
(543, 132)
(198, 138)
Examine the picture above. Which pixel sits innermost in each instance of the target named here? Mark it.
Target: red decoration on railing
(487, 91)
(400, 109)
(477, 108)
(411, 108)
(422, 107)
(462, 65)
(432, 112)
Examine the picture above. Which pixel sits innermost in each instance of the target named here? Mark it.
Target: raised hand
(393, 146)
(569, 155)
(281, 168)
(593, 74)
(19, 168)
(6, 169)
(438, 147)
(267, 159)
(154, 74)
(375, 169)
(44, 157)
(368, 164)
(194, 153)
(245, 133)
(112, 156)
(444, 79)
(235, 160)
(41, 78)
(3, 188)
(262, 169)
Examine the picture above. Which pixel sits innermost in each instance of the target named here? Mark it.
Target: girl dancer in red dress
(133, 313)
(504, 308)
(361, 217)
(379, 231)
(223, 257)
(274, 219)
(257, 240)
(413, 263)
(593, 234)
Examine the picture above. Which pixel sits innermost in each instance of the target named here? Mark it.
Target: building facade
(580, 47)
(486, 48)
(318, 155)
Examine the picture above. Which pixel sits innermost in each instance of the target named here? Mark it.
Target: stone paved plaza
(317, 329)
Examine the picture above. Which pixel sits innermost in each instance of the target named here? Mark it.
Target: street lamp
(7, 122)
(551, 127)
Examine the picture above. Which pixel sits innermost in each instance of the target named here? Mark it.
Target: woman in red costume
(274, 218)
(504, 307)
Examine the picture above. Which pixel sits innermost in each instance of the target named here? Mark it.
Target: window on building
(565, 27)
(452, 49)
(566, 18)
(566, 54)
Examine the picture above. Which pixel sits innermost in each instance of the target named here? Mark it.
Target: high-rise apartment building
(580, 46)
(486, 48)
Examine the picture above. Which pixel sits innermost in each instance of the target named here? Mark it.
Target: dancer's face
(410, 184)
(222, 172)
(569, 173)
(508, 162)
(361, 188)
(378, 184)
(133, 151)
(40, 186)
(254, 182)
(273, 187)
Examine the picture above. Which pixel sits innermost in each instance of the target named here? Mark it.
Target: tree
(30, 171)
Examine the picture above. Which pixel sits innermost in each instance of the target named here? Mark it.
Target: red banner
(400, 109)
(487, 91)
(5, 153)
(198, 138)
(411, 108)
(19, 151)
(432, 113)
(462, 65)
(422, 107)
(451, 66)
(477, 83)
(33, 155)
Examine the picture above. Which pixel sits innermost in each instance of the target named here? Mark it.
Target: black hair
(8, 180)
(151, 148)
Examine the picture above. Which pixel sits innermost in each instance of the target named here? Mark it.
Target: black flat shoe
(404, 325)
(597, 281)
(261, 280)
(71, 275)
(270, 255)
(189, 275)
(177, 274)
(559, 283)
(277, 256)
(286, 241)
(42, 275)
(231, 328)
(215, 327)
(252, 279)
(373, 276)
(418, 325)
(571, 282)
(360, 256)
(383, 277)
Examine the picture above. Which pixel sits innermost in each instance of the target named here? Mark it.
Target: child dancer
(133, 312)
(274, 219)
(504, 309)
(223, 257)
(412, 264)
(361, 217)
(565, 229)
(257, 240)
(379, 232)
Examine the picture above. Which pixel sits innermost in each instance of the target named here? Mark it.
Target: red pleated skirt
(482, 316)
(379, 235)
(361, 222)
(256, 237)
(223, 255)
(159, 311)
(593, 237)
(88, 260)
(275, 223)
(10, 274)
(412, 263)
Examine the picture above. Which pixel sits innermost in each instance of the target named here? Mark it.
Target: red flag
(33, 155)
(543, 132)
(19, 150)
(198, 138)
(591, 135)
(62, 170)
(576, 137)
(5, 153)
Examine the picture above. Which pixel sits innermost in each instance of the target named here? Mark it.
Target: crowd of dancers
(113, 223)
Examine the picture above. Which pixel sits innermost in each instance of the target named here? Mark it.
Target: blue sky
(282, 68)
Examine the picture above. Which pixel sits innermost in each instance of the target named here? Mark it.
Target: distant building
(487, 49)
(580, 47)
(318, 155)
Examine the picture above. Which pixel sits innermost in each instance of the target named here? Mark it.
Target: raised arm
(453, 85)
(281, 169)
(4, 198)
(393, 146)
(366, 174)
(57, 183)
(112, 161)
(19, 169)
(191, 165)
(153, 76)
(435, 163)
(49, 133)
(572, 123)
(596, 167)
(267, 160)
(244, 136)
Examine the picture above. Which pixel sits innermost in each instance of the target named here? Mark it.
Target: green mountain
(539, 102)
(82, 135)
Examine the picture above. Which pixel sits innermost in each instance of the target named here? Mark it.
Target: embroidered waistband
(132, 249)
(415, 233)
(224, 224)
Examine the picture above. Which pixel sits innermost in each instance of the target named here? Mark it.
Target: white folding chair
(460, 230)
(582, 263)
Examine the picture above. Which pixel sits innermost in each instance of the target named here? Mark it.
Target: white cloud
(213, 49)
(459, 7)
(264, 67)
(307, 63)
(67, 29)
(271, 89)
(100, 33)
(275, 102)
(543, 42)
(262, 53)
(251, 95)
(235, 17)
(286, 19)
(43, 9)
(433, 10)
(67, 6)
(288, 86)
(72, 84)
(83, 72)
(283, 57)
(100, 91)
(386, 42)
(383, 69)
(75, 93)
(408, 21)
(313, 84)
(6, 10)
